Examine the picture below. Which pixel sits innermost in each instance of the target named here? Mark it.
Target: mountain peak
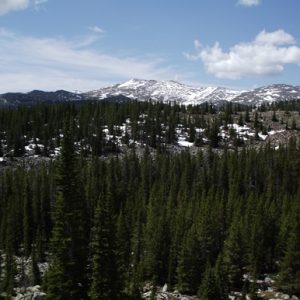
(165, 91)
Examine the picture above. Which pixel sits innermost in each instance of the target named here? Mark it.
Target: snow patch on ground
(272, 132)
(185, 143)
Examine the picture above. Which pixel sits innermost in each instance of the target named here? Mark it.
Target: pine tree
(221, 278)
(35, 276)
(123, 250)
(213, 134)
(247, 117)
(209, 288)
(104, 284)
(256, 121)
(67, 272)
(135, 270)
(27, 219)
(233, 256)
(154, 240)
(190, 265)
(8, 280)
(289, 275)
(56, 282)
(274, 117)
(241, 120)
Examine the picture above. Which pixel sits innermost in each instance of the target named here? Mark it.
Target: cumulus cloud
(28, 63)
(7, 6)
(96, 29)
(267, 54)
(249, 2)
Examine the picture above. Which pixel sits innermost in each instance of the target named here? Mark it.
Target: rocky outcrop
(163, 293)
(30, 293)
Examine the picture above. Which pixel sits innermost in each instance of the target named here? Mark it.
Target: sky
(84, 45)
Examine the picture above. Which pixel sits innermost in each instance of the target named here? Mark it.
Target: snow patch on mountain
(269, 94)
(172, 91)
(166, 91)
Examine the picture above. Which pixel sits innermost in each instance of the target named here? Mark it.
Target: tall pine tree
(66, 278)
(104, 283)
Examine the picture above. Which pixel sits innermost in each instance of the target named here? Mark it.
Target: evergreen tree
(35, 276)
(289, 275)
(274, 117)
(209, 288)
(123, 250)
(8, 280)
(57, 283)
(247, 116)
(190, 264)
(135, 270)
(154, 241)
(104, 284)
(69, 236)
(241, 120)
(27, 219)
(221, 278)
(256, 121)
(234, 256)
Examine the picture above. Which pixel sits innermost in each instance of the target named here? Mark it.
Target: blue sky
(87, 44)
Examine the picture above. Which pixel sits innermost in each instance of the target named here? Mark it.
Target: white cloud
(249, 2)
(267, 54)
(96, 29)
(279, 37)
(7, 6)
(10, 5)
(28, 63)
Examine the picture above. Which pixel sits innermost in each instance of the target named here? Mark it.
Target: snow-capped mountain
(269, 94)
(166, 91)
(170, 91)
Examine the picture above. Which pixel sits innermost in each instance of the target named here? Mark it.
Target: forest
(104, 219)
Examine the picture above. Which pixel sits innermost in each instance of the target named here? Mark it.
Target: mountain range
(165, 91)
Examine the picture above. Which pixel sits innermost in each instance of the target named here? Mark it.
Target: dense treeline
(96, 126)
(290, 105)
(207, 223)
(196, 222)
(42, 124)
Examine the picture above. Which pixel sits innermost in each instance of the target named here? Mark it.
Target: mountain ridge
(165, 91)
